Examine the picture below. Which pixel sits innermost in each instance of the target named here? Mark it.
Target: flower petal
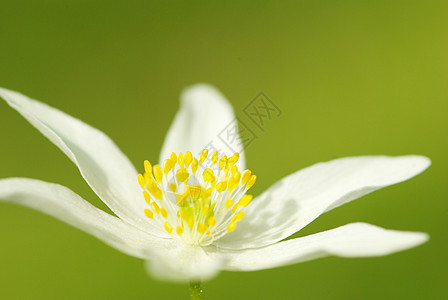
(105, 168)
(182, 263)
(351, 240)
(202, 122)
(296, 200)
(63, 204)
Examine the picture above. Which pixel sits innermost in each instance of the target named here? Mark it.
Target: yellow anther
(188, 158)
(222, 162)
(173, 187)
(179, 230)
(173, 158)
(163, 212)
(251, 181)
(229, 203)
(231, 226)
(194, 165)
(149, 213)
(234, 158)
(154, 190)
(233, 170)
(238, 217)
(148, 168)
(141, 180)
(158, 174)
(147, 197)
(203, 156)
(147, 177)
(237, 176)
(168, 227)
(156, 207)
(234, 181)
(245, 200)
(246, 176)
(221, 186)
(202, 228)
(208, 175)
(182, 175)
(167, 166)
(180, 160)
(211, 221)
(215, 157)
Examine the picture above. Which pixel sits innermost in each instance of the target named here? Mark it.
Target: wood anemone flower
(190, 216)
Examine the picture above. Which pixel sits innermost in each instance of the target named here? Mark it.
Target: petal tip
(203, 93)
(417, 163)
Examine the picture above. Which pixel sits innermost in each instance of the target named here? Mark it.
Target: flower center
(196, 200)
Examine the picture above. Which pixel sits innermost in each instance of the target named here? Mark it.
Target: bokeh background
(350, 77)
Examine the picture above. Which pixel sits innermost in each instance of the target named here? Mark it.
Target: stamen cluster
(198, 201)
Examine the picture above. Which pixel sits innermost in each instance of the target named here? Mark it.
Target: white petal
(296, 200)
(352, 240)
(182, 263)
(63, 204)
(201, 122)
(105, 168)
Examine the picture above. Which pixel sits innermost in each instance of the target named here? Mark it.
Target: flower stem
(196, 290)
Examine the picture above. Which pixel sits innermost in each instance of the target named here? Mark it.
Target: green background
(351, 78)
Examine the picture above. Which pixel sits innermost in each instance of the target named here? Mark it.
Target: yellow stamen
(194, 166)
(179, 230)
(195, 206)
(163, 212)
(188, 158)
(222, 162)
(251, 181)
(203, 156)
(182, 175)
(231, 226)
(215, 157)
(173, 158)
(180, 160)
(221, 186)
(141, 180)
(167, 166)
(208, 175)
(148, 168)
(168, 227)
(238, 217)
(156, 207)
(158, 174)
(147, 197)
(245, 200)
(154, 190)
(246, 176)
(234, 158)
(148, 213)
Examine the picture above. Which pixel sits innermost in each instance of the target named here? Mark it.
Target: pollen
(196, 199)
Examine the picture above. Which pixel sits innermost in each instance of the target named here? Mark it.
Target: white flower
(190, 228)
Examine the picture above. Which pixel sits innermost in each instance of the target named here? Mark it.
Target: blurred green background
(351, 78)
